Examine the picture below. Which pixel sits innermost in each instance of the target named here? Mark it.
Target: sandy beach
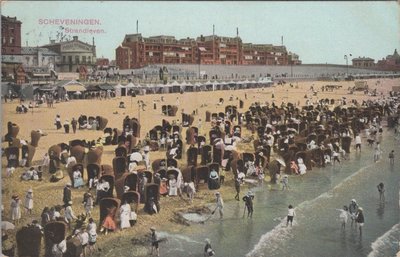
(50, 194)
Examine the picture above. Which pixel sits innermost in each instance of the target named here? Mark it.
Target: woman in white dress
(69, 215)
(15, 209)
(302, 166)
(29, 201)
(173, 186)
(125, 214)
(88, 203)
(78, 181)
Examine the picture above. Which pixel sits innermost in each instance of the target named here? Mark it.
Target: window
(77, 59)
(4, 40)
(64, 59)
(12, 40)
(12, 30)
(83, 59)
(89, 60)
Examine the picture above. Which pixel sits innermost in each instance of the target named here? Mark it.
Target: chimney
(92, 41)
(75, 38)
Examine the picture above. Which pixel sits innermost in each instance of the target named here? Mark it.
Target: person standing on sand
(46, 162)
(88, 203)
(15, 209)
(74, 123)
(335, 156)
(67, 193)
(57, 122)
(381, 190)
(29, 201)
(237, 188)
(290, 215)
(92, 231)
(358, 142)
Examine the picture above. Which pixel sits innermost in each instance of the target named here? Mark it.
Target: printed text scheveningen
(69, 22)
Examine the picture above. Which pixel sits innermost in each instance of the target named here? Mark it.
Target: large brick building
(137, 51)
(10, 36)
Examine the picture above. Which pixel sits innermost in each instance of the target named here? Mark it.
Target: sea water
(316, 228)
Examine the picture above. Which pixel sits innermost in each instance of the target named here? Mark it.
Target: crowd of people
(83, 226)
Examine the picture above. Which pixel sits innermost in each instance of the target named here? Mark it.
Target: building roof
(133, 37)
(10, 19)
(105, 86)
(11, 59)
(362, 59)
(70, 85)
(394, 56)
(31, 50)
(75, 39)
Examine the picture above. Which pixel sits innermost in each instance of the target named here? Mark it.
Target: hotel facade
(137, 51)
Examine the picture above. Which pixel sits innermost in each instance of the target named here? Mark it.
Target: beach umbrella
(6, 225)
(78, 93)
(281, 161)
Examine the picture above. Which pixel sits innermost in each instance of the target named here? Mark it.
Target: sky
(319, 32)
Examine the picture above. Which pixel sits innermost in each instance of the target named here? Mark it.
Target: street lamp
(347, 62)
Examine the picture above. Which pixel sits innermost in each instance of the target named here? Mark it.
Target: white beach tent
(199, 87)
(210, 83)
(128, 87)
(245, 83)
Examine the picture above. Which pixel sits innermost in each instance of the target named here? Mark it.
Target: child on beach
(208, 251)
(353, 208)
(285, 182)
(290, 215)
(335, 156)
(377, 152)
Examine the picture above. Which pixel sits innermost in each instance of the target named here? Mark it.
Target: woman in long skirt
(29, 201)
(15, 209)
(173, 187)
(109, 223)
(92, 231)
(125, 212)
(58, 122)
